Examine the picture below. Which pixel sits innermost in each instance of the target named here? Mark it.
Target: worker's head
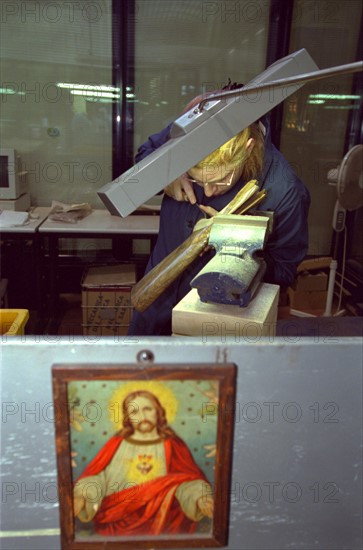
(241, 156)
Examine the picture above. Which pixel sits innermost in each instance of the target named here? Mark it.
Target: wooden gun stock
(146, 291)
(152, 285)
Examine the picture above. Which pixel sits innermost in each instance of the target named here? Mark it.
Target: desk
(39, 213)
(99, 224)
(30, 232)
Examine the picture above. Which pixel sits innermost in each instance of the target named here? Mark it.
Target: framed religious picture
(144, 454)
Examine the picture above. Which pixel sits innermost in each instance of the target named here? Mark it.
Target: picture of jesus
(144, 480)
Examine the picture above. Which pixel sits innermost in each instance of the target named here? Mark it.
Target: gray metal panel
(297, 445)
(199, 134)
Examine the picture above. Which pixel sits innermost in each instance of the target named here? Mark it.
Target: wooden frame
(186, 468)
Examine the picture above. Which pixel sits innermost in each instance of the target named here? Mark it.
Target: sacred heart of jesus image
(144, 465)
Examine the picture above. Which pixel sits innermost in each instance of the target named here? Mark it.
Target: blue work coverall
(286, 247)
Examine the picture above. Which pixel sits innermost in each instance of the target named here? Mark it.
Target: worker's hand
(181, 189)
(79, 503)
(206, 505)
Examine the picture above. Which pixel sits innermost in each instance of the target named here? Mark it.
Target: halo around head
(165, 395)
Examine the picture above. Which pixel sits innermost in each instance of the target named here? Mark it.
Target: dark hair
(128, 429)
(196, 100)
(232, 85)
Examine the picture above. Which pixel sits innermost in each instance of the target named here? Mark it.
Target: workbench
(45, 234)
(30, 232)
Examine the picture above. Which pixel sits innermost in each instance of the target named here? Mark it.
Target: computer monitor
(12, 179)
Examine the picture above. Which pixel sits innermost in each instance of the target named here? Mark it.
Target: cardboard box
(106, 299)
(309, 282)
(192, 317)
(304, 301)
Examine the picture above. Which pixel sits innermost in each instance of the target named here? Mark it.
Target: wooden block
(191, 317)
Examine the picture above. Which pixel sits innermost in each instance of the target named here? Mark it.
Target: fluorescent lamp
(341, 107)
(87, 87)
(10, 91)
(87, 93)
(334, 96)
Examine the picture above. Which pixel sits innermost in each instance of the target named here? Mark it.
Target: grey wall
(297, 450)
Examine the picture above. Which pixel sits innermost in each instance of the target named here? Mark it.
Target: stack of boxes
(309, 292)
(106, 299)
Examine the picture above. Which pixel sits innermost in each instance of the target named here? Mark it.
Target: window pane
(186, 47)
(315, 119)
(56, 101)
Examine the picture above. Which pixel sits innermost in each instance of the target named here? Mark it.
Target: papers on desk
(9, 218)
(69, 213)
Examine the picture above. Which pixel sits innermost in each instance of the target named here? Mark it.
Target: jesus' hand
(206, 505)
(78, 505)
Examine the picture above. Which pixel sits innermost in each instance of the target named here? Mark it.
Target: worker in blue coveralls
(204, 190)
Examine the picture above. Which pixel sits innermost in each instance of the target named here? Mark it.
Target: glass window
(186, 47)
(316, 118)
(56, 96)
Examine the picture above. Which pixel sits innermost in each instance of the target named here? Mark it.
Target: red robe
(149, 508)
